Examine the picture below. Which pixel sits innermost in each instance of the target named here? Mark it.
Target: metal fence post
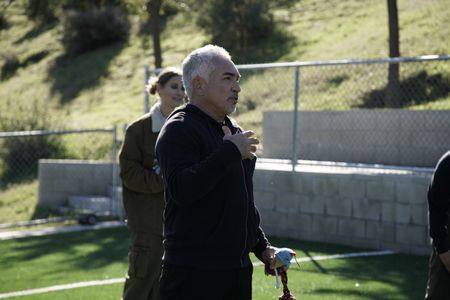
(295, 121)
(146, 77)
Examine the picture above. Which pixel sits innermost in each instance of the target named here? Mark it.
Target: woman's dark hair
(163, 77)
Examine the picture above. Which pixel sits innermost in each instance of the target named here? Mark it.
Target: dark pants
(189, 283)
(438, 286)
(144, 267)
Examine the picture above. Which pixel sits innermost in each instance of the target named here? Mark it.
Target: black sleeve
(439, 204)
(187, 175)
(262, 244)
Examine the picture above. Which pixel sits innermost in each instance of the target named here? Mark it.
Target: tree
(85, 31)
(5, 5)
(153, 8)
(393, 88)
(3, 21)
(47, 11)
(237, 24)
(41, 11)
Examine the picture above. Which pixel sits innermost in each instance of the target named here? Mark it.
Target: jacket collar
(192, 108)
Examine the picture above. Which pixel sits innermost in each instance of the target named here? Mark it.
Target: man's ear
(198, 84)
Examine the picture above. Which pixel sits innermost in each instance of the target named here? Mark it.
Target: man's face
(222, 88)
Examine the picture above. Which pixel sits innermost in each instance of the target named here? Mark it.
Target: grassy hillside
(105, 87)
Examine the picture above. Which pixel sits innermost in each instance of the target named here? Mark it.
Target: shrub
(42, 11)
(10, 65)
(246, 28)
(86, 31)
(19, 155)
(86, 5)
(47, 11)
(3, 22)
(236, 24)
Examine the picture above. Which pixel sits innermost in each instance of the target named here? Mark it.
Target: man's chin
(231, 110)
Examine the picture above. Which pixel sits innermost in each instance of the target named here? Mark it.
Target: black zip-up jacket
(439, 205)
(210, 219)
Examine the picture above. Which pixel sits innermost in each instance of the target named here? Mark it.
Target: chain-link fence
(333, 111)
(57, 175)
(349, 111)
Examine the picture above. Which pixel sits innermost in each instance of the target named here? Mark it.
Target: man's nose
(236, 87)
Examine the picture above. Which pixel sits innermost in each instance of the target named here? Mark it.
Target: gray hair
(198, 63)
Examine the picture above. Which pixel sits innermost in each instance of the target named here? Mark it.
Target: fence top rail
(344, 62)
(334, 62)
(9, 134)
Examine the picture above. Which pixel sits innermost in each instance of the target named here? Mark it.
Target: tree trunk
(393, 88)
(153, 7)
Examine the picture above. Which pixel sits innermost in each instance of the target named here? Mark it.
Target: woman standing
(143, 190)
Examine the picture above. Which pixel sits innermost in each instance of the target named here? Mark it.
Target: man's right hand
(445, 258)
(243, 141)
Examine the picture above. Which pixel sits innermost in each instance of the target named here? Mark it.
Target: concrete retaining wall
(391, 137)
(343, 206)
(61, 178)
(382, 211)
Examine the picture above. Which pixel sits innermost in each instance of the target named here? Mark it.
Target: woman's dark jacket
(143, 189)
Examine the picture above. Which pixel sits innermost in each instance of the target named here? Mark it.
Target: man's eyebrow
(231, 74)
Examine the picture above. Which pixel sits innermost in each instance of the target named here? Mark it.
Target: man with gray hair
(211, 223)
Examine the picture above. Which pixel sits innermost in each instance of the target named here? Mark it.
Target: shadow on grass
(416, 89)
(407, 273)
(12, 63)
(35, 32)
(86, 250)
(70, 75)
(44, 212)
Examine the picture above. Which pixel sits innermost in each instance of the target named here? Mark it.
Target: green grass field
(38, 262)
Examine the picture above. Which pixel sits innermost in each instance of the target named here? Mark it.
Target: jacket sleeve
(262, 244)
(439, 205)
(134, 175)
(188, 176)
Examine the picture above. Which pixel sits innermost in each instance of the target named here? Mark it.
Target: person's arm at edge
(438, 226)
(438, 205)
